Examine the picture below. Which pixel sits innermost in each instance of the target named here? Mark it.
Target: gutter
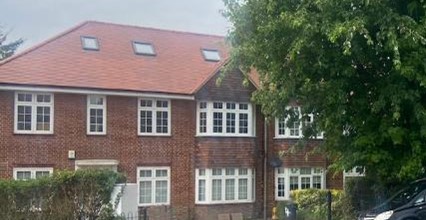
(265, 168)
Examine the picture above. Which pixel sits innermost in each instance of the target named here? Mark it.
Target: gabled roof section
(177, 68)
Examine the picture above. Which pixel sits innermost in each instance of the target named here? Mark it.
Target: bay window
(225, 119)
(288, 179)
(286, 128)
(224, 185)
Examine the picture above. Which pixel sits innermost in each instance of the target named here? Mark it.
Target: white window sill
(96, 134)
(153, 135)
(33, 133)
(225, 135)
(153, 204)
(298, 137)
(224, 202)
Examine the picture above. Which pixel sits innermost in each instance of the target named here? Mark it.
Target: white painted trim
(96, 162)
(34, 104)
(153, 180)
(33, 171)
(104, 109)
(96, 92)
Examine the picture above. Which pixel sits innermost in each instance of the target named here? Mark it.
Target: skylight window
(90, 43)
(143, 48)
(211, 55)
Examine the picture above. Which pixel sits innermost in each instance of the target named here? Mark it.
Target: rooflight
(89, 43)
(141, 48)
(211, 55)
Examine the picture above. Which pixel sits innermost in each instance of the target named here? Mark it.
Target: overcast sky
(38, 20)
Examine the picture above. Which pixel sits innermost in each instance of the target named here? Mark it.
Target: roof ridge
(35, 47)
(156, 29)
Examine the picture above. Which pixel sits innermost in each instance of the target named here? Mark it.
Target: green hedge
(84, 194)
(312, 205)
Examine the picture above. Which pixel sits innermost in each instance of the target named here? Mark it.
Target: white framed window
(33, 113)
(26, 173)
(287, 179)
(224, 185)
(225, 119)
(96, 115)
(284, 128)
(89, 43)
(153, 186)
(154, 117)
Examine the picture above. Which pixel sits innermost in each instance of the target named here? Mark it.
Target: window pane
(243, 171)
(161, 173)
(280, 170)
(40, 174)
(281, 187)
(243, 106)
(143, 48)
(161, 191)
(162, 104)
(294, 182)
(305, 182)
(316, 182)
(146, 103)
(145, 191)
(230, 171)
(216, 190)
(43, 98)
(145, 173)
(43, 119)
(96, 100)
(24, 118)
(243, 123)
(203, 122)
(146, 121)
(162, 122)
(25, 97)
(217, 105)
(217, 122)
(90, 43)
(242, 188)
(201, 172)
(217, 172)
(203, 105)
(230, 105)
(305, 170)
(281, 126)
(230, 189)
(23, 175)
(230, 123)
(211, 55)
(295, 129)
(202, 190)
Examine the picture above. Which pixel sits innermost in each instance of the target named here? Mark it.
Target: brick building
(145, 102)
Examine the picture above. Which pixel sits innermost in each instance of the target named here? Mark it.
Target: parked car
(407, 204)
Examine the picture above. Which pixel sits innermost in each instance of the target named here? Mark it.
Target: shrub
(84, 194)
(312, 205)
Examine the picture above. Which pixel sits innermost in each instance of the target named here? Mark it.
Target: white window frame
(291, 172)
(34, 104)
(153, 180)
(251, 118)
(208, 177)
(33, 171)
(104, 115)
(287, 134)
(154, 109)
(86, 46)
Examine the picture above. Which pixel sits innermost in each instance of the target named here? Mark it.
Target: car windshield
(406, 195)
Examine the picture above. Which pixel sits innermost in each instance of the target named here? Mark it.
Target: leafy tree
(358, 66)
(7, 50)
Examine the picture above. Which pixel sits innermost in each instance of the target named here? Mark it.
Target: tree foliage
(358, 66)
(7, 50)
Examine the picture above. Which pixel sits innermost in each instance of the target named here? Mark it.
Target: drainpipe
(265, 168)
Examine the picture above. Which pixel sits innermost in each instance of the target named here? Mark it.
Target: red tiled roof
(178, 67)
